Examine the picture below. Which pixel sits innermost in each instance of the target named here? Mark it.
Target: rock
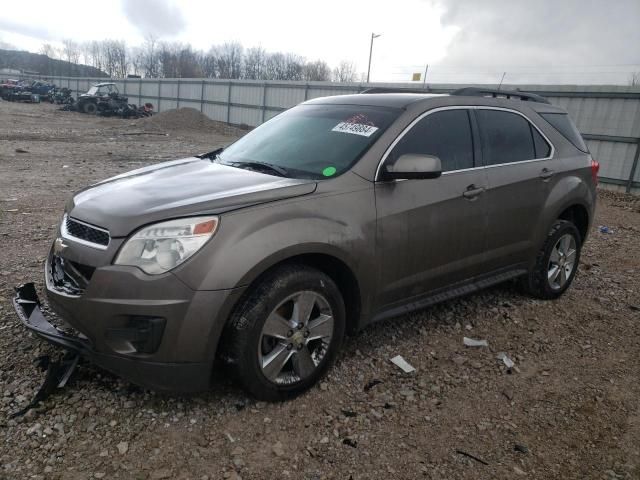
(99, 475)
(161, 474)
(237, 451)
(35, 429)
(459, 360)
(519, 471)
(518, 447)
(324, 386)
(278, 449)
(123, 447)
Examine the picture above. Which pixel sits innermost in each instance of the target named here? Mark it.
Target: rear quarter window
(563, 124)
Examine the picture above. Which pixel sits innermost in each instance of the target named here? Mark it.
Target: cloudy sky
(546, 41)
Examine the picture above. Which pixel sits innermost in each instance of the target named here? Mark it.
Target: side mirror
(414, 166)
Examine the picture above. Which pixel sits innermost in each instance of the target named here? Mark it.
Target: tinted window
(445, 134)
(562, 123)
(311, 141)
(543, 150)
(506, 137)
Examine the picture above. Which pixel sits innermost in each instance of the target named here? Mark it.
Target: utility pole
(424, 80)
(501, 80)
(373, 35)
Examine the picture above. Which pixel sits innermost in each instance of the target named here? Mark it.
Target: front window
(310, 141)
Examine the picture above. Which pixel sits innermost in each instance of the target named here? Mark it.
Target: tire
(247, 347)
(545, 282)
(90, 108)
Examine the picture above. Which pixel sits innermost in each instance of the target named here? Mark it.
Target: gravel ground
(569, 409)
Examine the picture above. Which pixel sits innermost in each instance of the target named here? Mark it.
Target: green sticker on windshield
(329, 171)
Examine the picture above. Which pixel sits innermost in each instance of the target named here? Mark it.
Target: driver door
(432, 233)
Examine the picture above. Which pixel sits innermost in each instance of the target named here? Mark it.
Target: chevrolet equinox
(339, 212)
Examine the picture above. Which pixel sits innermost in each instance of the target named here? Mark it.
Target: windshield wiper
(278, 170)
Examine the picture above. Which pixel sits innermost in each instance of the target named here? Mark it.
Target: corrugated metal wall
(608, 117)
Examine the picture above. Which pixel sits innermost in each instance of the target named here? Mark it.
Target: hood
(190, 186)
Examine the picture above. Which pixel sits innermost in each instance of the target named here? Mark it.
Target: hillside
(44, 65)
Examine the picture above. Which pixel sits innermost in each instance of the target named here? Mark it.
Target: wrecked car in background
(32, 91)
(337, 213)
(98, 95)
(104, 99)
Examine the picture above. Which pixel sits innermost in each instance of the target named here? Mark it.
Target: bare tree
(317, 71)
(71, 51)
(255, 63)
(48, 50)
(229, 59)
(151, 57)
(344, 72)
(275, 67)
(634, 79)
(294, 67)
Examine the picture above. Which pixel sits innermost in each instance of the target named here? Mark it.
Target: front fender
(252, 240)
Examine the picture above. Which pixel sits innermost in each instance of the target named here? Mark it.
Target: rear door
(431, 233)
(520, 173)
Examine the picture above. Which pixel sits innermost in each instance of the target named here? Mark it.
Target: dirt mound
(188, 120)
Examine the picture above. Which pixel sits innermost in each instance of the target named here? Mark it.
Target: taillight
(595, 168)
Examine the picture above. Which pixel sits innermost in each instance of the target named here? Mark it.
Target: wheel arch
(579, 216)
(325, 259)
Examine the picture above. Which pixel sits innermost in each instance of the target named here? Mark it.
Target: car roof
(394, 100)
(103, 84)
(405, 100)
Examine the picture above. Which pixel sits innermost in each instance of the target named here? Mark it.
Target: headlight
(160, 247)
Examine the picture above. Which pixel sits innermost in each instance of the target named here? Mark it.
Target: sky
(533, 41)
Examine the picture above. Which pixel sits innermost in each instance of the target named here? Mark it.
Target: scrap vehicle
(41, 88)
(100, 93)
(6, 87)
(28, 91)
(336, 213)
(62, 96)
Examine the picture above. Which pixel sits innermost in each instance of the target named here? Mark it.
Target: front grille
(86, 232)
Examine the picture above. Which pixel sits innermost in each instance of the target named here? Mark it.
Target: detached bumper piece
(27, 306)
(142, 333)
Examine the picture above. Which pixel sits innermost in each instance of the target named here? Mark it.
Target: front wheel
(286, 332)
(556, 263)
(90, 108)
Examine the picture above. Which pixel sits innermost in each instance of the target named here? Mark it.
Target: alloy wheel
(295, 337)
(562, 261)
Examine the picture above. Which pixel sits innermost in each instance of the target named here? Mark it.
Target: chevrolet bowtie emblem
(59, 246)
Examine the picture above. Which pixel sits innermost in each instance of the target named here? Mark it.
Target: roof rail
(395, 90)
(490, 92)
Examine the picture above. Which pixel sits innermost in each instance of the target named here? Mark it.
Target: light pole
(373, 35)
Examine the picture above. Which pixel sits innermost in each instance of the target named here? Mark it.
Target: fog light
(143, 334)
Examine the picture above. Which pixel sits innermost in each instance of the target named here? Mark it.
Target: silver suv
(335, 214)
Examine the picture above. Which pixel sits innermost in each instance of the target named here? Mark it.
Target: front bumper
(185, 353)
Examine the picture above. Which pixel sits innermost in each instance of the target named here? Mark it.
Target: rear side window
(506, 137)
(446, 134)
(543, 150)
(562, 123)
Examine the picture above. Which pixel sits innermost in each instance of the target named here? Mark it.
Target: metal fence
(607, 116)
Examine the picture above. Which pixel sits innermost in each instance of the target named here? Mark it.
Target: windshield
(311, 141)
(92, 90)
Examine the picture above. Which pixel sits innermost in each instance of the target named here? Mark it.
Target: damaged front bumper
(27, 306)
(161, 376)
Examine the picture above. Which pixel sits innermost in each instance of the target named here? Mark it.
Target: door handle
(546, 174)
(472, 192)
